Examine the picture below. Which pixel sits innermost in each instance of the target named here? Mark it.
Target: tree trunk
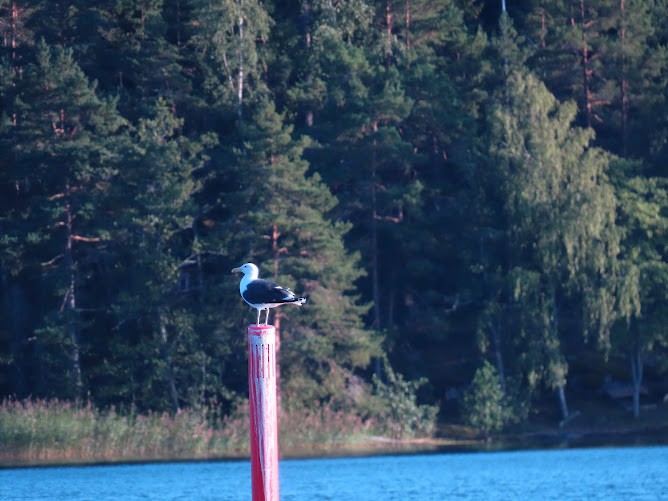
(307, 21)
(178, 23)
(391, 298)
(167, 359)
(70, 302)
(375, 267)
(561, 386)
(637, 365)
(14, 27)
(375, 272)
(563, 404)
(586, 71)
(624, 86)
(498, 353)
(240, 56)
(199, 281)
(388, 31)
(17, 312)
(408, 25)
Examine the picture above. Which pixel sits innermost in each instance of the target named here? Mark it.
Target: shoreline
(545, 439)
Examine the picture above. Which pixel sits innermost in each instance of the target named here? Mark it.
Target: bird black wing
(264, 291)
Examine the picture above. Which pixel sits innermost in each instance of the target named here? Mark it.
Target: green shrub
(400, 413)
(486, 406)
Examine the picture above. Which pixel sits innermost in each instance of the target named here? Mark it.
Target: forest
(472, 196)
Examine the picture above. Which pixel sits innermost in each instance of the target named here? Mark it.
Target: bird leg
(266, 318)
(258, 317)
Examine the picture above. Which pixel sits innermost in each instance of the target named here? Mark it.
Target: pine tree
(332, 40)
(261, 204)
(141, 64)
(15, 314)
(427, 274)
(572, 47)
(62, 138)
(654, 115)
(360, 150)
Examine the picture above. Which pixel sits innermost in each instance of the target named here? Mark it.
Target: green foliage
(398, 407)
(486, 407)
(229, 38)
(561, 211)
(420, 171)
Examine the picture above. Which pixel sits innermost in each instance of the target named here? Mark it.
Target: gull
(263, 294)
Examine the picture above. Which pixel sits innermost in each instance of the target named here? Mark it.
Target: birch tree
(228, 36)
(642, 281)
(561, 212)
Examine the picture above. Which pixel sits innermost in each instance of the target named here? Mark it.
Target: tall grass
(55, 431)
(322, 427)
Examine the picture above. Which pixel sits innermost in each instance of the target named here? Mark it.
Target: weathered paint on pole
(263, 412)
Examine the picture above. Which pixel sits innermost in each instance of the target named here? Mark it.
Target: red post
(263, 412)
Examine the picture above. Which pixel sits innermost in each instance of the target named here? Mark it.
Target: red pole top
(259, 329)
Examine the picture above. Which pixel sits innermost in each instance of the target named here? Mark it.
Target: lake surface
(634, 473)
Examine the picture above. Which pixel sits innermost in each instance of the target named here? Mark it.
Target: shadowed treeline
(473, 202)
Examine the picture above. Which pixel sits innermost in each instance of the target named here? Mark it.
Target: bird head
(248, 269)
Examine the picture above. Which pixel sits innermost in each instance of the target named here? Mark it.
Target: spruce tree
(161, 351)
(481, 215)
(264, 204)
(17, 314)
(281, 221)
(141, 64)
(485, 405)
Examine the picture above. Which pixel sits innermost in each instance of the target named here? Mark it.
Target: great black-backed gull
(263, 294)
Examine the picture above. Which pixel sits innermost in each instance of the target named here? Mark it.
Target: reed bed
(38, 431)
(54, 430)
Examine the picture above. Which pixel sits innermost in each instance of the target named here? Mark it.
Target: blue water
(639, 473)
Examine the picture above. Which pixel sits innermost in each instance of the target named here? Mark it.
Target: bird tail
(299, 301)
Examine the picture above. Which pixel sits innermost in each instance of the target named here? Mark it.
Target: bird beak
(235, 270)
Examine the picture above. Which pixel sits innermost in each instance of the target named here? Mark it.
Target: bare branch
(52, 261)
(86, 239)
